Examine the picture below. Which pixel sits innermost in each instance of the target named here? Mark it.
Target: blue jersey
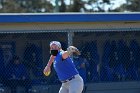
(64, 68)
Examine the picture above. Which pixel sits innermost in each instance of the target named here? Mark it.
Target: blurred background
(53, 6)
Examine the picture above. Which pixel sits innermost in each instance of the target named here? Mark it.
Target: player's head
(55, 46)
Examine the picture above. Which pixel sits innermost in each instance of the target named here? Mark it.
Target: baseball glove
(73, 49)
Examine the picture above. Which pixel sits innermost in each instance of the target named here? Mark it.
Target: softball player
(65, 68)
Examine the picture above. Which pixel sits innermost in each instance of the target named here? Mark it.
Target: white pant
(73, 86)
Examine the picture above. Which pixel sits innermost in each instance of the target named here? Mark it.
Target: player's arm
(47, 68)
(50, 60)
(70, 51)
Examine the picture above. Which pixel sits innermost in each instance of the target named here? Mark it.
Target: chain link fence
(106, 56)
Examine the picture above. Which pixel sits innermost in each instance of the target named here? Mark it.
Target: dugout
(28, 36)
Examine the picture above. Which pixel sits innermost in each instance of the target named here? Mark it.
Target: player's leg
(64, 88)
(76, 85)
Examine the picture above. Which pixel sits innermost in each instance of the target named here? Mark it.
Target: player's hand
(47, 70)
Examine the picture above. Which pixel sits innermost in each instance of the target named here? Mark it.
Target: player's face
(54, 47)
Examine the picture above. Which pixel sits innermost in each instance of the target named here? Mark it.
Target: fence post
(70, 38)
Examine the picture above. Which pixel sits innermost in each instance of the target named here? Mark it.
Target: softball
(47, 73)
